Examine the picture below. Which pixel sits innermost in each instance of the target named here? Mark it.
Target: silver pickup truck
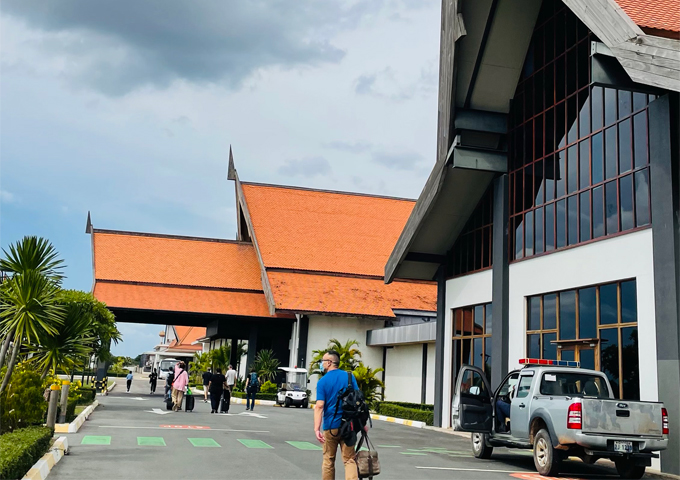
(558, 411)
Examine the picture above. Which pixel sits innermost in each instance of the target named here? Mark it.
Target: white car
(293, 391)
(166, 365)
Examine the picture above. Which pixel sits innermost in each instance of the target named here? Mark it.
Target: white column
(448, 363)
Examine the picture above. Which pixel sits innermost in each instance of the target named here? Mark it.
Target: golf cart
(293, 390)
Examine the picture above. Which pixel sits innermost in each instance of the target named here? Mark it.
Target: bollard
(52, 409)
(65, 385)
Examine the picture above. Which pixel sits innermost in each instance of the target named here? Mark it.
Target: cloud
(6, 197)
(306, 167)
(389, 85)
(397, 161)
(119, 47)
(351, 147)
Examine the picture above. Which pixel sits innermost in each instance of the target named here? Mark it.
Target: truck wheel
(287, 402)
(627, 469)
(546, 459)
(479, 446)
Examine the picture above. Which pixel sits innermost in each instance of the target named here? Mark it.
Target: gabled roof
(174, 260)
(324, 231)
(653, 14)
(187, 336)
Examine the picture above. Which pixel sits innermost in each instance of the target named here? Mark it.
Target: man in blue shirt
(333, 381)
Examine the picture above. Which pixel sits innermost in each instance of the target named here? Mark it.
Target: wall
(404, 373)
(429, 390)
(462, 291)
(619, 258)
(324, 328)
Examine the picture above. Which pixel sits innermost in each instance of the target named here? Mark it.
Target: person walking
(206, 381)
(129, 380)
(252, 385)
(153, 380)
(168, 385)
(329, 410)
(231, 378)
(216, 386)
(179, 386)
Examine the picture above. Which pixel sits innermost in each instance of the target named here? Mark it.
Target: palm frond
(33, 253)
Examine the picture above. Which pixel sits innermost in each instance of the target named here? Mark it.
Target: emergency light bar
(555, 363)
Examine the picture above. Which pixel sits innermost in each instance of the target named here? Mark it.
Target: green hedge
(20, 449)
(70, 411)
(416, 406)
(393, 410)
(258, 396)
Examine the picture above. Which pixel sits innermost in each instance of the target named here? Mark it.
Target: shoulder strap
(349, 380)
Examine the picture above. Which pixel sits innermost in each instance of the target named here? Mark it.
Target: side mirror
(474, 391)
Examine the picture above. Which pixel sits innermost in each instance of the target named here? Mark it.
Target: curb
(106, 392)
(41, 469)
(75, 425)
(242, 401)
(400, 421)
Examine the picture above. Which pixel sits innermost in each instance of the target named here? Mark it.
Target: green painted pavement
(151, 441)
(413, 453)
(388, 446)
(204, 442)
(95, 440)
(254, 443)
(304, 445)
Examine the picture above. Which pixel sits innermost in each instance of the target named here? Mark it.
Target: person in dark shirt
(216, 386)
(168, 384)
(206, 381)
(153, 379)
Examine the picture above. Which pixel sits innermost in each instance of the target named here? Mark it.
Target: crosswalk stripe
(203, 442)
(304, 445)
(254, 443)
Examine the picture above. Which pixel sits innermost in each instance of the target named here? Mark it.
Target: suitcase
(189, 403)
(168, 403)
(224, 403)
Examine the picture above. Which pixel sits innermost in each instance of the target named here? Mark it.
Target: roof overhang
(402, 335)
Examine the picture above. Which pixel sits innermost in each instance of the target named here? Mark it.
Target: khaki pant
(177, 397)
(330, 448)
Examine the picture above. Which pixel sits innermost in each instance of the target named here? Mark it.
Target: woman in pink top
(179, 386)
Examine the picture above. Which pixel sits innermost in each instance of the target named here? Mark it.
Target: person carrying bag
(367, 461)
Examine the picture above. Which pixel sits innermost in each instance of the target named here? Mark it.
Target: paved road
(124, 439)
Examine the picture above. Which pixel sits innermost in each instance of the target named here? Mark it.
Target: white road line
(473, 470)
(187, 429)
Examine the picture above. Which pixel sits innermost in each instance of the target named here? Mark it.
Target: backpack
(254, 381)
(355, 413)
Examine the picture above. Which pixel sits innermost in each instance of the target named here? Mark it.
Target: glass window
(478, 352)
(608, 304)
(626, 199)
(538, 224)
(586, 357)
(479, 319)
(598, 212)
(642, 215)
(611, 207)
(472, 336)
(511, 381)
(524, 386)
(562, 172)
(549, 176)
(639, 101)
(529, 233)
(628, 302)
(473, 384)
(640, 138)
(561, 223)
(625, 147)
(584, 209)
(572, 118)
(519, 237)
(550, 311)
(630, 375)
(487, 358)
(597, 168)
(572, 206)
(584, 114)
(560, 123)
(573, 384)
(534, 313)
(609, 356)
(538, 182)
(584, 163)
(609, 106)
(597, 108)
(568, 315)
(572, 172)
(587, 309)
(625, 103)
(488, 323)
(550, 227)
(549, 347)
(610, 152)
(534, 350)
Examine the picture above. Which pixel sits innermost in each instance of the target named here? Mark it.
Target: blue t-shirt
(129, 376)
(327, 389)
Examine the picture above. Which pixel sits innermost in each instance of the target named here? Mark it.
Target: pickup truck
(559, 411)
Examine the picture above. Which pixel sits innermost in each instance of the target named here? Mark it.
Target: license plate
(624, 447)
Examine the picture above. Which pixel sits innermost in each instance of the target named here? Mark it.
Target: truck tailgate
(621, 417)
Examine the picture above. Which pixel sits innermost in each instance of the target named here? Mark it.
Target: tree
(266, 364)
(28, 298)
(350, 357)
(220, 356)
(368, 383)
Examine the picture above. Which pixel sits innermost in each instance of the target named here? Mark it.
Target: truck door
(472, 410)
(519, 408)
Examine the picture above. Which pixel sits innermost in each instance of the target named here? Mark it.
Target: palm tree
(349, 356)
(266, 364)
(220, 356)
(241, 351)
(368, 383)
(73, 342)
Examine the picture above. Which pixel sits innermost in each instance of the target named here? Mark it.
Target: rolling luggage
(168, 403)
(189, 403)
(224, 403)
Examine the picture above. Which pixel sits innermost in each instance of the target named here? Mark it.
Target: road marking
(186, 427)
(134, 398)
(158, 411)
(469, 470)
(251, 414)
(254, 443)
(537, 476)
(166, 428)
(203, 442)
(95, 440)
(151, 441)
(304, 445)
(413, 453)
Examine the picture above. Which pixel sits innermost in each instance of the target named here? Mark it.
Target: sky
(127, 110)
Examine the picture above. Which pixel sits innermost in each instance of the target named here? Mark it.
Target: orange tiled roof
(175, 261)
(188, 335)
(656, 14)
(304, 229)
(303, 292)
(177, 299)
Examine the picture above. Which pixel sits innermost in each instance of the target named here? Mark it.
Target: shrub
(394, 410)
(269, 387)
(258, 396)
(22, 403)
(87, 396)
(20, 449)
(417, 406)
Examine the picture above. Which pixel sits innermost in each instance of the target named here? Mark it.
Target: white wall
(324, 328)
(460, 292)
(619, 258)
(404, 373)
(429, 387)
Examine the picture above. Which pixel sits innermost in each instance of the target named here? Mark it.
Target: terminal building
(550, 219)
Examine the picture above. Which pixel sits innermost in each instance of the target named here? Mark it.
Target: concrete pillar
(64, 400)
(303, 334)
(500, 283)
(52, 408)
(439, 347)
(252, 347)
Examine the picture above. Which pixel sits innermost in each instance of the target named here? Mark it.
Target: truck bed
(621, 417)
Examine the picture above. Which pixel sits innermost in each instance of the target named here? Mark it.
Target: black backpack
(355, 413)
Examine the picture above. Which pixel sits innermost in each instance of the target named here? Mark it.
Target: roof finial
(88, 227)
(231, 173)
